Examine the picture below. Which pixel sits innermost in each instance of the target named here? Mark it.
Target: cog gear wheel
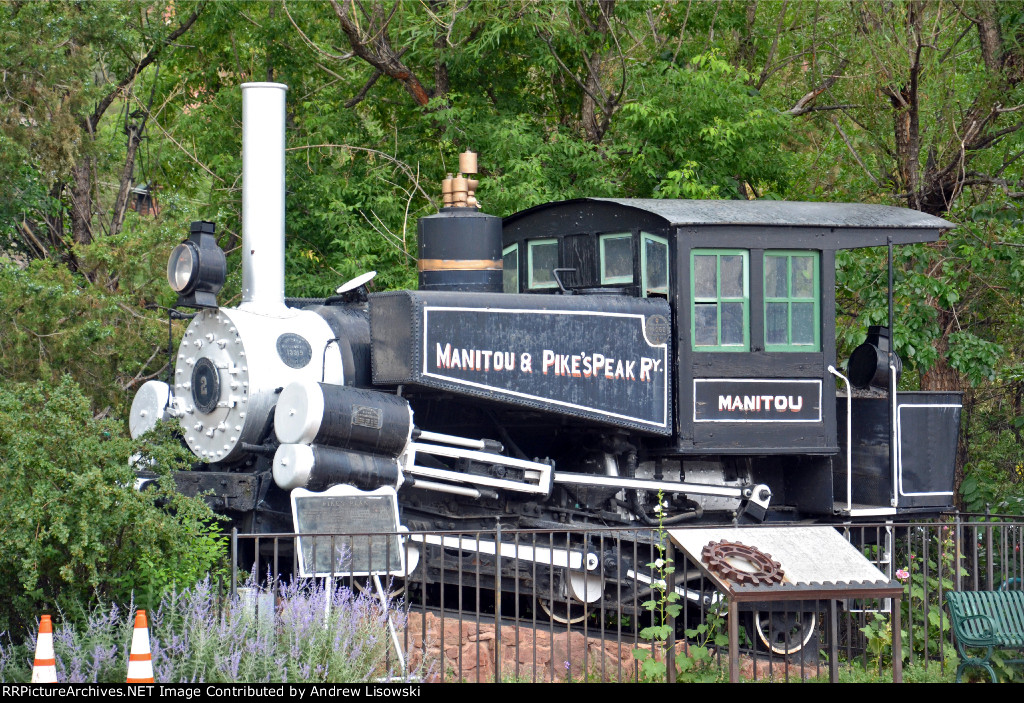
(766, 571)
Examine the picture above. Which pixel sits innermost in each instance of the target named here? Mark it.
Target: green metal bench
(989, 620)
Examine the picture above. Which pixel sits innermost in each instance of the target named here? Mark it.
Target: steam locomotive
(612, 362)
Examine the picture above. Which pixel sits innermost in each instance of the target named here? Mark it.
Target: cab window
(616, 258)
(791, 292)
(542, 260)
(720, 300)
(510, 269)
(654, 264)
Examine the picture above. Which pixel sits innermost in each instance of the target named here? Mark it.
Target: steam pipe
(263, 143)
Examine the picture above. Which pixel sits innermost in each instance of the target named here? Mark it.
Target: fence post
(990, 562)
(670, 587)
(958, 554)
(734, 642)
(234, 560)
(833, 641)
(497, 601)
(897, 645)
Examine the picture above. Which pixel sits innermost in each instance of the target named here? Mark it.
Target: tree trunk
(593, 92)
(441, 84)
(124, 186)
(941, 376)
(588, 113)
(963, 442)
(746, 52)
(81, 201)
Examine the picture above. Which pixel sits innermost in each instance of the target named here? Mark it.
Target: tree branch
(90, 123)
(775, 45)
(802, 104)
(853, 151)
(406, 168)
(310, 43)
(377, 51)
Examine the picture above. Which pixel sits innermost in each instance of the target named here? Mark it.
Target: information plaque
(355, 532)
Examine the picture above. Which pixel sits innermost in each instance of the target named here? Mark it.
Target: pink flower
(902, 574)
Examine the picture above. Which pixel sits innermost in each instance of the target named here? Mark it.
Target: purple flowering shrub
(196, 635)
(15, 659)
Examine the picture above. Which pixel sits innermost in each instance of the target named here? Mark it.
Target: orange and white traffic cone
(140, 661)
(44, 668)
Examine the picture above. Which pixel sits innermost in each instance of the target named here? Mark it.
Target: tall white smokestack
(263, 122)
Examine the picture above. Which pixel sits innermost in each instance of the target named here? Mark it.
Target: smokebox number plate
(294, 350)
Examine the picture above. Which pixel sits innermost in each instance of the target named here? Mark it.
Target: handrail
(849, 436)
(893, 433)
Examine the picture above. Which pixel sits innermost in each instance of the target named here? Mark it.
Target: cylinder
(318, 468)
(460, 250)
(263, 143)
(343, 416)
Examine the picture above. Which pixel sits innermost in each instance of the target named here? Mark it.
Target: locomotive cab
(751, 286)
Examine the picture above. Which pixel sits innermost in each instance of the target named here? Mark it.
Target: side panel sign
(357, 531)
(756, 400)
(597, 364)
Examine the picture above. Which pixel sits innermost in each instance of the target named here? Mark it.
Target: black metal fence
(626, 605)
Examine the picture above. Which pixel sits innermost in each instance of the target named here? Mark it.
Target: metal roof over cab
(835, 225)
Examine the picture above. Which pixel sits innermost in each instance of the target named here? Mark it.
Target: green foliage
(57, 323)
(931, 671)
(663, 605)
(75, 528)
(693, 661)
(878, 635)
(994, 482)
(925, 576)
(693, 100)
(695, 130)
(712, 632)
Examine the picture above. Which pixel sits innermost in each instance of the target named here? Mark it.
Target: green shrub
(75, 529)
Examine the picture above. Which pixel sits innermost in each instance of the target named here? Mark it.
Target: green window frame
(510, 269)
(603, 243)
(720, 300)
(649, 264)
(792, 301)
(545, 278)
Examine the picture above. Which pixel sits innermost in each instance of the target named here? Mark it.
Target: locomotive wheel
(557, 603)
(562, 612)
(785, 633)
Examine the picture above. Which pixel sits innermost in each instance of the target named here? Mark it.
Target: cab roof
(854, 224)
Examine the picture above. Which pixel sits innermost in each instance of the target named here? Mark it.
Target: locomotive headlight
(183, 266)
(197, 268)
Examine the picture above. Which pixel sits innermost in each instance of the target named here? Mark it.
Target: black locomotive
(608, 362)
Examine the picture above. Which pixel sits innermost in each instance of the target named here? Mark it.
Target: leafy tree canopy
(917, 103)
